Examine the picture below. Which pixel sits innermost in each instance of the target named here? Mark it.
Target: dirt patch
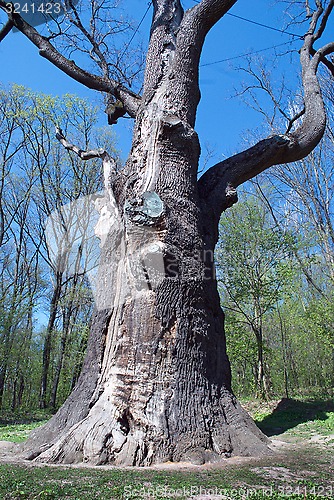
(277, 473)
(8, 451)
(326, 440)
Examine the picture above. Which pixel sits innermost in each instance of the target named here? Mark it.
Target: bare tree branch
(323, 22)
(109, 163)
(217, 184)
(95, 46)
(83, 155)
(308, 9)
(294, 118)
(329, 65)
(303, 267)
(130, 100)
(264, 83)
(6, 29)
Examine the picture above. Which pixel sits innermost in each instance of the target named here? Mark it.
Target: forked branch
(83, 155)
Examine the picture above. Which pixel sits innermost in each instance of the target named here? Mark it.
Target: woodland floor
(302, 434)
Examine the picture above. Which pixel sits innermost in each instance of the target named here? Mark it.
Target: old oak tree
(156, 384)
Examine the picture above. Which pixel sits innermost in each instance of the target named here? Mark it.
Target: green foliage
(260, 269)
(37, 177)
(253, 258)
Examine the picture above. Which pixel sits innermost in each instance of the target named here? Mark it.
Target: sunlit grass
(17, 433)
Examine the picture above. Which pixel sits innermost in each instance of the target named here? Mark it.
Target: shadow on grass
(19, 419)
(289, 413)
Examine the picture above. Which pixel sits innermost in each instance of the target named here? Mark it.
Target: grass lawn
(302, 468)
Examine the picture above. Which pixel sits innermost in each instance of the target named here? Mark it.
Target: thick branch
(219, 181)
(329, 65)
(195, 25)
(167, 16)
(130, 100)
(6, 29)
(320, 55)
(207, 13)
(186, 34)
(217, 184)
(324, 20)
(174, 52)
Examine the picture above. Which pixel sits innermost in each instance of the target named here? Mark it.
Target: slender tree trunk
(260, 367)
(68, 316)
(59, 365)
(17, 385)
(262, 382)
(18, 389)
(21, 391)
(48, 340)
(78, 363)
(10, 324)
(2, 383)
(285, 368)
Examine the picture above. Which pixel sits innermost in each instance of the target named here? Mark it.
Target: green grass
(303, 472)
(81, 484)
(17, 427)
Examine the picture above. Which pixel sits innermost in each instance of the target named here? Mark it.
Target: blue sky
(222, 120)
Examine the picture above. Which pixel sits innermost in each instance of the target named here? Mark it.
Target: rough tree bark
(156, 384)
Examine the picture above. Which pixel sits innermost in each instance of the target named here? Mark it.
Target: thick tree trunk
(164, 391)
(159, 382)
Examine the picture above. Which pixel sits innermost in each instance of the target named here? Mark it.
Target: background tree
(280, 276)
(253, 268)
(303, 189)
(37, 178)
(156, 384)
(301, 201)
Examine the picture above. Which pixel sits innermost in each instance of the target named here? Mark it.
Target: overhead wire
(136, 30)
(299, 37)
(251, 21)
(257, 23)
(263, 25)
(247, 54)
